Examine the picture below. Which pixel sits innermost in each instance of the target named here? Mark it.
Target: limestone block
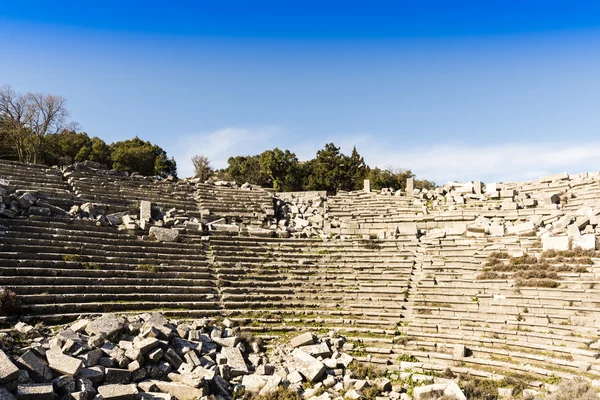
(63, 363)
(572, 230)
(235, 360)
(180, 391)
(507, 193)
(106, 326)
(521, 229)
(585, 242)
(118, 392)
(36, 391)
(367, 186)
(558, 243)
(429, 391)
(410, 186)
(254, 383)
(26, 200)
(452, 390)
(303, 340)
(38, 370)
(311, 368)
(8, 370)
(271, 385)
(317, 350)
(164, 234)
(145, 210)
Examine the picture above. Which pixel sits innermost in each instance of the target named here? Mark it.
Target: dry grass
(579, 390)
(9, 302)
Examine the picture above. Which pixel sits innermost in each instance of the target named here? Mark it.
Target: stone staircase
(63, 268)
(246, 206)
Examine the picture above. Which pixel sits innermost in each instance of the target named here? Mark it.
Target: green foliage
(282, 169)
(135, 155)
(330, 170)
(365, 371)
(95, 150)
(9, 302)
(62, 148)
(72, 257)
(149, 268)
(389, 178)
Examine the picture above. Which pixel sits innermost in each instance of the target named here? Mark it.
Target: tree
(62, 148)
(327, 170)
(247, 169)
(29, 119)
(95, 150)
(135, 155)
(16, 114)
(355, 171)
(202, 167)
(282, 169)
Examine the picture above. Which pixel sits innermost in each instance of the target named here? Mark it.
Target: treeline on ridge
(330, 170)
(35, 128)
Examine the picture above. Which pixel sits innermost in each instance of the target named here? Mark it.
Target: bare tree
(28, 119)
(16, 116)
(202, 167)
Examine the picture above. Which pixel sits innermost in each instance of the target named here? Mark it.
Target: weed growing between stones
(9, 302)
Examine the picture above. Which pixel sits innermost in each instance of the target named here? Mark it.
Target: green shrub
(72, 257)
(149, 268)
(365, 370)
(9, 302)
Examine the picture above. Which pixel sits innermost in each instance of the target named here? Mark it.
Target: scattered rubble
(149, 357)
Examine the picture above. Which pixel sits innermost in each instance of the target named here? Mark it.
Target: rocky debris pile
(15, 203)
(149, 357)
(302, 216)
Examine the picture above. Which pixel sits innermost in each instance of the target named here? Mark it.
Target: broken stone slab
(164, 234)
(117, 376)
(38, 370)
(36, 391)
(271, 386)
(118, 392)
(235, 360)
(93, 374)
(79, 325)
(62, 363)
(180, 390)
(302, 340)
(147, 344)
(558, 243)
(154, 396)
(145, 210)
(106, 326)
(254, 383)
(311, 368)
(8, 370)
(317, 350)
(585, 242)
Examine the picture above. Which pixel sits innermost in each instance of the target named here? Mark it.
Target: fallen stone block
(106, 326)
(311, 368)
(118, 392)
(36, 391)
(164, 234)
(235, 360)
(584, 242)
(8, 370)
(62, 363)
(558, 243)
(38, 370)
(254, 383)
(303, 340)
(181, 391)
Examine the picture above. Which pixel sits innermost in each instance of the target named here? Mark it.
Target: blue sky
(452, 90)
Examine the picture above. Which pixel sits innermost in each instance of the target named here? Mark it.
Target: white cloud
(507, 162)
(219, 145)
(438, 162)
